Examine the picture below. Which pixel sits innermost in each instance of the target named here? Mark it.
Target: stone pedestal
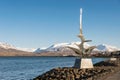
(83, 63)
(113, 59)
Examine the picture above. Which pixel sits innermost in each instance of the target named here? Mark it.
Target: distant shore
(101, 71)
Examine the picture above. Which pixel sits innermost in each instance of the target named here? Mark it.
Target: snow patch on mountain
(40, 50)
(26, 49)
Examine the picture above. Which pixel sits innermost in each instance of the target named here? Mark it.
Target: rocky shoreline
(100, 71)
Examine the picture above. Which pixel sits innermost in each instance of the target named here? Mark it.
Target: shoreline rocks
(100, 69)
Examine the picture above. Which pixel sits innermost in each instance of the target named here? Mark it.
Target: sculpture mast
(81, 21)
(81, 33)
(81, 46)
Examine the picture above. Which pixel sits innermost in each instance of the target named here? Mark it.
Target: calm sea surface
(26, 68)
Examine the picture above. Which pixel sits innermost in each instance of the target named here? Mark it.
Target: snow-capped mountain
(9, 46)
(10, 50)
(105, 47)
(6, 45)
(63, 47)
(60, 47)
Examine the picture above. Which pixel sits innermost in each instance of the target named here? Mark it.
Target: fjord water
(26, 68)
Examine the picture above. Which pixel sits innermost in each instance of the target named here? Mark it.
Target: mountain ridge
(59, 46)
(59, 49)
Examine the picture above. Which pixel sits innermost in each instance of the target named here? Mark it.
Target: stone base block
(83, 63)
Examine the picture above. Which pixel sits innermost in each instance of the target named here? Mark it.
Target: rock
(70, 73)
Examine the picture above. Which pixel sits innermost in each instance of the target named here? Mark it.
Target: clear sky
(41, 23)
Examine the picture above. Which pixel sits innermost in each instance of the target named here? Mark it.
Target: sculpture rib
(90, 49)
(75, 49)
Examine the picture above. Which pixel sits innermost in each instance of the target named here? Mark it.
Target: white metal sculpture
(81, 50)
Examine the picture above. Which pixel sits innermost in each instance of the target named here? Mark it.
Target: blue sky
(41, 23)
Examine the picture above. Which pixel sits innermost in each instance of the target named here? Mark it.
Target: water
(26, 68)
